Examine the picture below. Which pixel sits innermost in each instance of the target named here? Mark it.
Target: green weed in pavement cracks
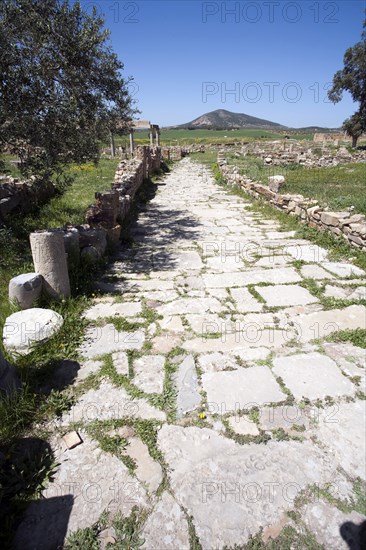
(337, 247)
(127, 531)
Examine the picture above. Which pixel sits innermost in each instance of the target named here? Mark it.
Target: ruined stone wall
(111, 207)
(351, 227)
(22, 196)
(330, 137)
(302, 153)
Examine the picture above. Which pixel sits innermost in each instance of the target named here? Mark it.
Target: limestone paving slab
(250, 335)
(308, 253)
(254, 276)
(240, 389)
(327, 523)
(312, 375)
(215, 362)
(148, 471)
(232, 490)
(120, 362)
(285, 295)
(166, 527)
(285, 417)
(107, 339)
(186, 382)
(243, 425)
(87, 368)
(347, 292)
(320, 324)
(245, 301)
(209, 323)
(87, 482)
(126, 309)
(109, 402)
(149, 373)
(343, 269)
(342, 428)
(190, 305)
(314, 271)
(172, 323)
(273, 261)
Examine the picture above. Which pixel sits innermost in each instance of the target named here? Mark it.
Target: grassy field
(188, 137)
(68, 207)
(339, 187)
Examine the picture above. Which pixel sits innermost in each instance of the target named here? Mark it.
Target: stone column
(158, 138)
(132, 144)
(9, 380)
(151, 137)
(49, 258)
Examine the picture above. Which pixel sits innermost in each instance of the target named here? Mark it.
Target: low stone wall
(112, 207)
(22, 196)
(87, 242)
(352, 227)
(302, 153)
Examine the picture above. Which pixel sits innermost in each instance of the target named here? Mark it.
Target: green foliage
(339, 187)
(26, 470)
(357, 337)
(83, 539)
(352, 78)
(353, 127)
(61, 88)
(127, 531)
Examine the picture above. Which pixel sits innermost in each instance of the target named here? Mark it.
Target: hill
(227, 120)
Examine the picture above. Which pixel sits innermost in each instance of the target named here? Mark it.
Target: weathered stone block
(333, 218)
(95, 237)
(24, 328)
(49, 258)
(25, 289)
(276, 182)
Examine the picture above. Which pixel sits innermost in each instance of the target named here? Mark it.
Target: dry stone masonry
(20, 196)
(352, 227)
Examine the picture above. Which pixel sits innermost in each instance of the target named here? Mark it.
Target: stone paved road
(239, 423)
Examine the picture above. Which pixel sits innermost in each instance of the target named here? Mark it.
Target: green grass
(29, 406)
(339, 187)
(187, 137)
(68, 207)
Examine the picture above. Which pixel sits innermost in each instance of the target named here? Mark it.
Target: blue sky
(269, 59)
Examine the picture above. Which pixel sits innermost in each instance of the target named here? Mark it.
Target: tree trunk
(9, 380)
(113, 146)
(354, 142)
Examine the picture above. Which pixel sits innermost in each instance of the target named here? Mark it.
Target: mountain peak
(221, 119)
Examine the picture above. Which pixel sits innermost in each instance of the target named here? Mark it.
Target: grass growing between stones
(356, 503)
(357, 337)
(126, 532)
(337, 247)
(288, 539)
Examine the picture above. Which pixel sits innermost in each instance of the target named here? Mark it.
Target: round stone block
(89, 255)
(25, 328)
(25, 289)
